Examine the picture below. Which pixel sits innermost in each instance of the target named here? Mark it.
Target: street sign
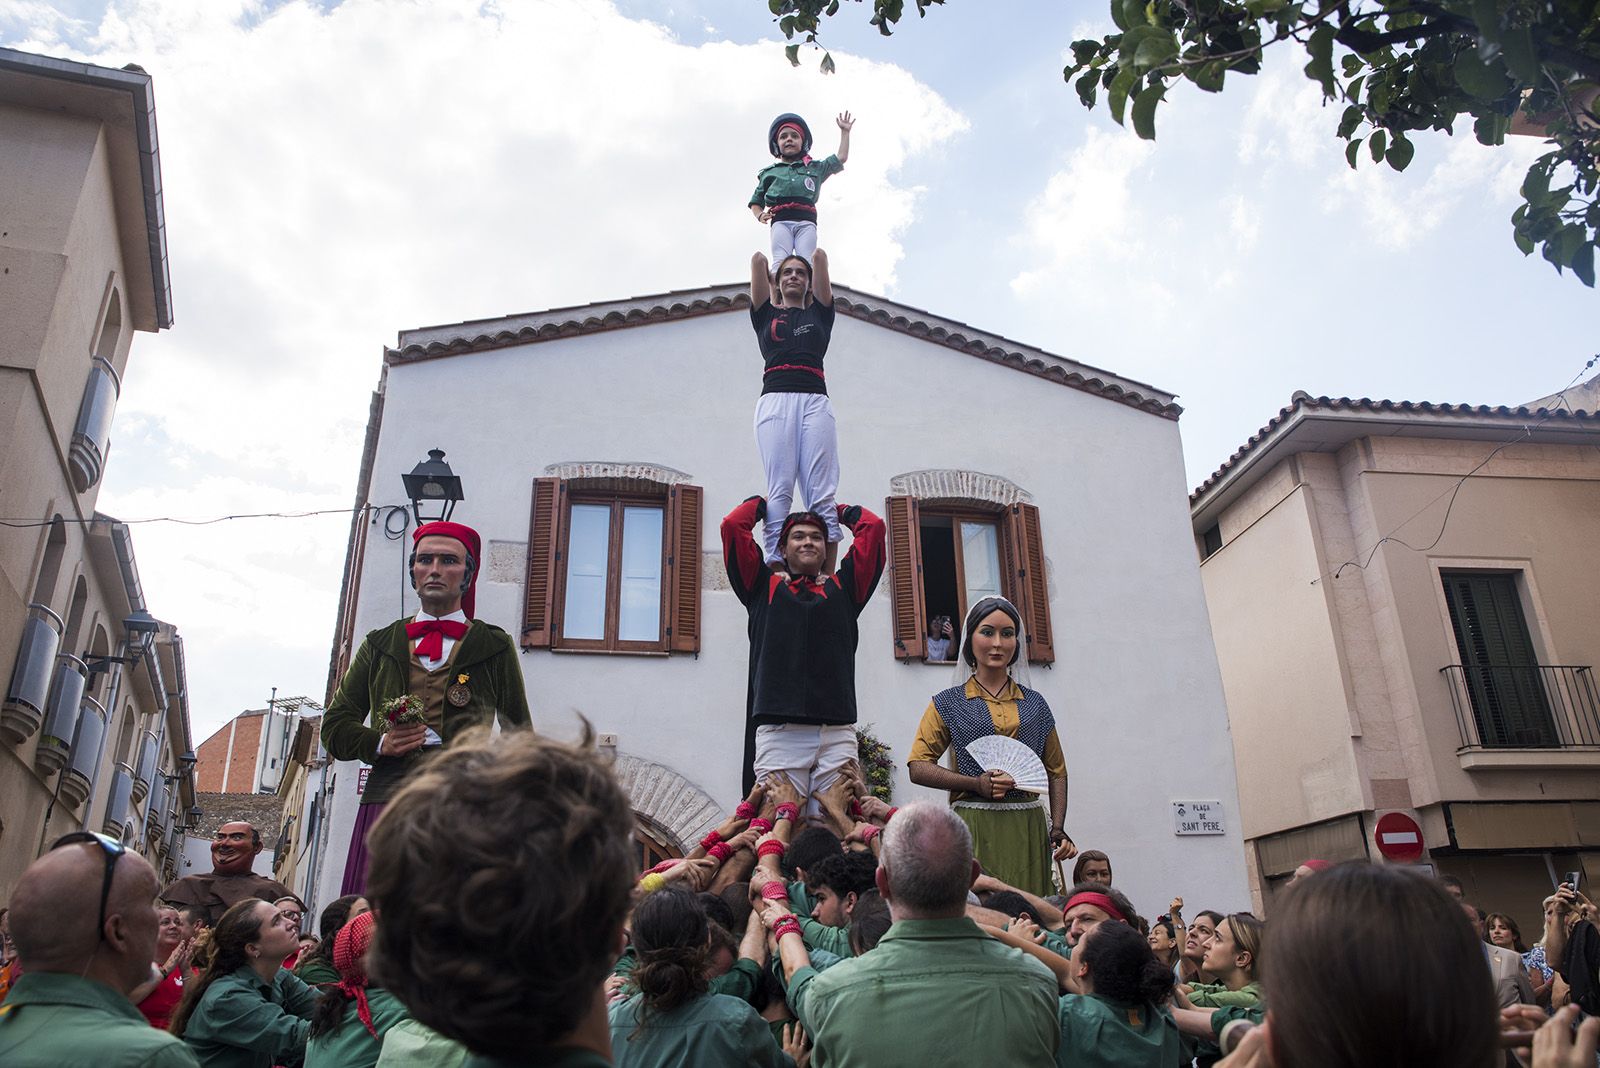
(1197, 817)
(1399, 837)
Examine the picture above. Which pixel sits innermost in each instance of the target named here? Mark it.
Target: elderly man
(1089, 904)
(935, 988)
(85, 927)
(503, 875)
(233, 853)
(801, 709)
(463, 671)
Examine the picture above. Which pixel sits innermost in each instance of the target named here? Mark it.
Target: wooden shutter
(905, 577)
(544, 557)
(685, 520)
(1032, 581)
(1498, 660)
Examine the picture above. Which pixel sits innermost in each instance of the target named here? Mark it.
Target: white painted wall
(1135, 687)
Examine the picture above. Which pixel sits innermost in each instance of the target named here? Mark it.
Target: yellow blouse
(933, 737)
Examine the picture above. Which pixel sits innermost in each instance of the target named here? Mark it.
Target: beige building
(1398, 637)
(94, 727)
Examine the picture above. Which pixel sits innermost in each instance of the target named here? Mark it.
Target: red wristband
(869, 832)
(771, 848)
(787, 925)
(788, 811)
(710, 840)
(855, 808)
(721, 850)
(892, 811)
(745, 811)
(762, 825)
(775, 891)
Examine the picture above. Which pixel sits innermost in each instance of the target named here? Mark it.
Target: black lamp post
(433, 488)
(139, 633)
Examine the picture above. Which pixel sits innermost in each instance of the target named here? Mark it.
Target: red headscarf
(349, 955)
(467, 537)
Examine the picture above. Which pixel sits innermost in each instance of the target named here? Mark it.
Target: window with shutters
(614, 566)
(1504, 682)
(946, 556)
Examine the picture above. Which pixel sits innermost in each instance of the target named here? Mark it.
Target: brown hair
(1083, 862)
(1511, 925)
(503, 873)
(1380, 1006)
(671, 933)
(1247, 931)
(238, 928)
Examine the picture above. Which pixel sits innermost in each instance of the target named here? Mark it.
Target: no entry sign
(1399, 837)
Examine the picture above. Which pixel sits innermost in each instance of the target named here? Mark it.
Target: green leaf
(775, 6)
(1117, 96)
(1083, 52)
(1086, 87)
(1375, 145)
(1583, 264)
(1400, 152)
(1158, 47)
(1350, 152)
(1350, 120)
(1262, 8)
(833, 8)
(1491, 129)
(1144, 111)
(1522, 59)
(1351, 64)
(1133, 11)
(1572, 238)
(1536, 186)
(827, 65)
(1320, 69)
(1118, 17)
(793, 52)
(1485, 81)
(1209, 76)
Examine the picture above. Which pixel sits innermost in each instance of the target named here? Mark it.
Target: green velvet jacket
(381, 671)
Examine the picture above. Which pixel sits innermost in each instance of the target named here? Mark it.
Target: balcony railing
(1535, 706)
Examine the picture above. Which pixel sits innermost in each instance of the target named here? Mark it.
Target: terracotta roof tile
(481, 335)
(1305, 401)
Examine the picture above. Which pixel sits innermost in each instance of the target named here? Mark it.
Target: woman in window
(674, 1018)
(246, 1010)
(1009, 835)
(795, 429)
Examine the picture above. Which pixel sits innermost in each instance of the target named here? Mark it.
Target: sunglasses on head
(112, 849)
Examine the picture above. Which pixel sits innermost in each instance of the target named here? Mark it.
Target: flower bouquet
(401, 712)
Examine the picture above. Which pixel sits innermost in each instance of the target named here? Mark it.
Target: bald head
(234, 848)
(926, 864)
(55, 905)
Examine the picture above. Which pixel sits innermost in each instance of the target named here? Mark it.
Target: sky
(337, 172)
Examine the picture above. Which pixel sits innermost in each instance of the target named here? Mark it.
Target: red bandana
(433, 632)
(349, 951)
(1099, 901)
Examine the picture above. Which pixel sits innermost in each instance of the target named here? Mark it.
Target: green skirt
(1012, 844)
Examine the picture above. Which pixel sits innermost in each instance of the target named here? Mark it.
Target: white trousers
(793, 238)
(799, 441)
(811, 756)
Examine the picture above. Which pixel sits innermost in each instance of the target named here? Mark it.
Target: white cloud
(335, 174)
(1287, 120)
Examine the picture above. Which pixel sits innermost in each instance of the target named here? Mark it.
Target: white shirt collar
(458, 615)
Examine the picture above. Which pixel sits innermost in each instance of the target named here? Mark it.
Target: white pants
(793, 238)
(798, 441)
(811, 756)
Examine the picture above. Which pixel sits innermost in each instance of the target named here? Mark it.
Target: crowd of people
(504, 923)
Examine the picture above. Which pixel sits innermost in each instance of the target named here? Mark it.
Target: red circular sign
(1399, 837)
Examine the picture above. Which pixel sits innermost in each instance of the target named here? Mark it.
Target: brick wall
(214, 759)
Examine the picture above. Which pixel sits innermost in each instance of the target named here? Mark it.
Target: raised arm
(845, 121)
(760, 280)
(863, 564)
(821, 284)
(1059, 965)
(746, 563)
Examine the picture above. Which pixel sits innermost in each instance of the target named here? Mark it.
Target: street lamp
(139, 633)
(432, 485)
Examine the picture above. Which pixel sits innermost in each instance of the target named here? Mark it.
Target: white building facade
(997, 464)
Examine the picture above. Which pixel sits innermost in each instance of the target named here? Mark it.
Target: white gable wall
(1135, 686)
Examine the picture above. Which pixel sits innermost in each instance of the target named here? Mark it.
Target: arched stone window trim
(666, 802)
(946, 485)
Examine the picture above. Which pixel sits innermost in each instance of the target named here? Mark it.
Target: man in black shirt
(794, 419)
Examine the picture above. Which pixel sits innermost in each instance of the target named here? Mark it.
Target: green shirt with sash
(1097, 1032)
(350, 1044)
(50, 1020)
(245, 1021)
(709, 1031)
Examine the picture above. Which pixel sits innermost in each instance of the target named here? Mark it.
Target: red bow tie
(433, 633)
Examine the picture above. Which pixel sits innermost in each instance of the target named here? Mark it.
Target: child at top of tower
(786, 192)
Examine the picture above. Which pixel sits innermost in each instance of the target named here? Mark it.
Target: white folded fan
(996, 752)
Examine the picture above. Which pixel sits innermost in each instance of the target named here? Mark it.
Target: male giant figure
(801, 701)
(464, 671)
(233, 853)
